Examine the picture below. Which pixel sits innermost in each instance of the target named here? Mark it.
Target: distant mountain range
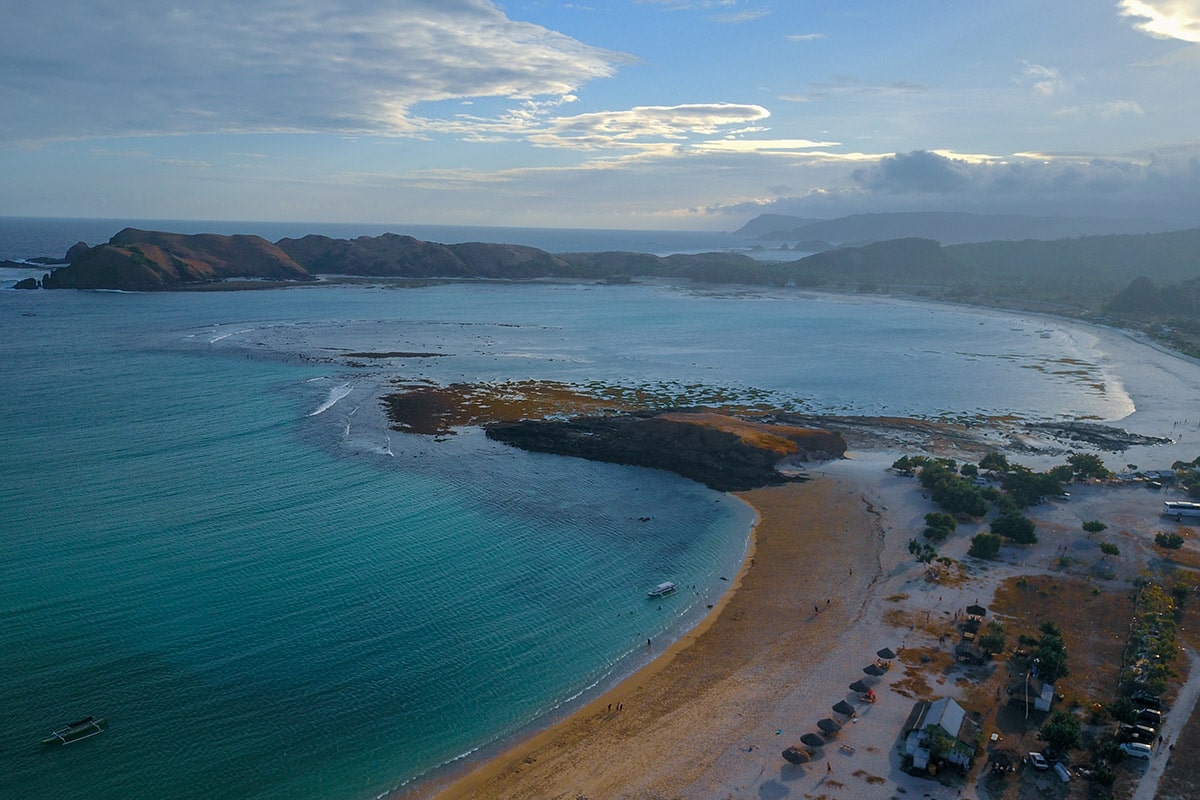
(1092, 272)
(946, 227)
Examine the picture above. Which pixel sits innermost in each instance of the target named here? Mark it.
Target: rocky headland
(722, 452)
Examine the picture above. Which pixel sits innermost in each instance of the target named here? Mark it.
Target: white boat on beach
(662, 589)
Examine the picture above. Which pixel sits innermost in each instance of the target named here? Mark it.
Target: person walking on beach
(828, 768)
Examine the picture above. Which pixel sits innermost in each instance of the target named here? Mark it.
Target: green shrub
(1171, 541)
(985, 545)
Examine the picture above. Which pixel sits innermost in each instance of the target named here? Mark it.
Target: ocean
(212, 538)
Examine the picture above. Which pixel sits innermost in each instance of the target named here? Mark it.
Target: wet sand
(688, 723)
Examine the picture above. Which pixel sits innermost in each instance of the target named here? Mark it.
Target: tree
(1062, 731)
(1171, 541)
(1088, 465)
(939, 526)
(1123, 709)
(992, 640)
(994, 462)
(924, 552)
(969, 470)
(1109, 549)
(937, 519)
(1016, 526)
(1094, 526)
(985, 545)
(1028, 488)
(1051, 656)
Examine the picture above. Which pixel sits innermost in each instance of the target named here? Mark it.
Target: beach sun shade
(886, 653)
(795, 755)
(859, 686)
(828, 726)
(842, 707)
(812, 740)
(874, 670)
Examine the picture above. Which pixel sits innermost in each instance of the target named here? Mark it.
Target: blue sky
(675, 114)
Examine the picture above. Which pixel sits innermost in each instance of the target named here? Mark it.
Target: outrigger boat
(79, 729)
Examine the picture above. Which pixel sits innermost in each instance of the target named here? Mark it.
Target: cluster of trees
(1051, 654)
(1169, 541)
(1187, 474)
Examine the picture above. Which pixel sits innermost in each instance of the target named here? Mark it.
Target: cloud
(642, 124)
(739, 17)
(1046, 82)
(804, 37)
(103, 68)
(919, 171)
(1165, 19)
(1118, 108)
(1162, 184)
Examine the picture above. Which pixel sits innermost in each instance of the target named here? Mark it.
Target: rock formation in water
(724, 453)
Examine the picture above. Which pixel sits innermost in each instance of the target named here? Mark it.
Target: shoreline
(708, 681)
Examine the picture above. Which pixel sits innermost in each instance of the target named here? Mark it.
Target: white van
(1136, 749)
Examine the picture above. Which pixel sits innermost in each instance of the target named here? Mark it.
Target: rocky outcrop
(152, 260)
(724, 453)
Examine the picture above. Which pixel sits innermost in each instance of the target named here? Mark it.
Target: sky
(661, 114)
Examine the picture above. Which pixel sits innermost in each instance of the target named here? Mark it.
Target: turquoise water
(211, 537)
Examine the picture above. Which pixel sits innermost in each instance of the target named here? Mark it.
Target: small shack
(940, 730)
(1030, 693)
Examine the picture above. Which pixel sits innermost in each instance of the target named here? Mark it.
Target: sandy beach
(710, 716)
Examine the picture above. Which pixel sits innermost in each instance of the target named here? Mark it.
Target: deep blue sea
(211, 537)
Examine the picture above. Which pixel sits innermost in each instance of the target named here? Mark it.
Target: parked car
(1145, 700)
(1150, 716)
(1136, 733)
(1037, 761)
(1136, 749)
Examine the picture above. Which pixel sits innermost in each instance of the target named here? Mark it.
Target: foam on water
(335, 394)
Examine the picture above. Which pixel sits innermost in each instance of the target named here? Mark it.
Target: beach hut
(796, 755)
(842, 707)
(812, 740)
(976, 611)
(828, 726)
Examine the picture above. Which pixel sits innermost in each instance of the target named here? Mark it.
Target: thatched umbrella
(874, 670)
(842, 707)
(828, 726)
(859, 686)
(886, 653)
(796, 755)
(812, 740)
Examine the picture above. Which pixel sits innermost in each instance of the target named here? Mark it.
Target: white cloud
(100, 68)
(739, 17)
(1165, 19)
(1046, 82)
(644, 123)
(1119, 108)
(778, 146)
(804, 37)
